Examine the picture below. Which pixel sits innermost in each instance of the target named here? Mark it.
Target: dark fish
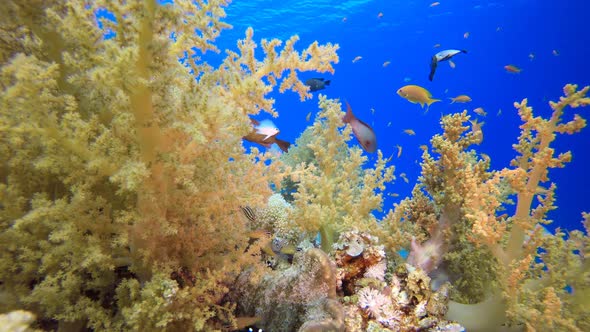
(441, 56)
(316, 84)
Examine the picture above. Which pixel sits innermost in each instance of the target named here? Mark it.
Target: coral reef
(301, 297)
(496, 253)
(128, 202)
(334, 192)
(122, 170)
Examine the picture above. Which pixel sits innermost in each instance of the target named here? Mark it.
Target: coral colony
(128, 202)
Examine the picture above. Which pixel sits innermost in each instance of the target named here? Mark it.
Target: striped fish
(249, 213)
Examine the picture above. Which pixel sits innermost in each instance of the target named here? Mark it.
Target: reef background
(124, 180)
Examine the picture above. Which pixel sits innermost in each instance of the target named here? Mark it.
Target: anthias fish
(265, 133)
(362, 131)
(417, 95)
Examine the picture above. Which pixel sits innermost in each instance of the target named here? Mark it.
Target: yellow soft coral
(122, 168)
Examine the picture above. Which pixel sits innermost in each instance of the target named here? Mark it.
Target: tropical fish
(410, 132)
(466, 35)
(417, 95)
(404, 177)
(441, 56)
(531, 56)
(555, 52)
(480, 111)
(258, 234)
(512, 69)
(386, 63)
(248, 213)
(399, 150)
(362, 131)
(434, 4)
(436, 45)
(308, 116)
(316, 84)
(476, 130)
(380, 15)
(265, 133)
(357, 58)
(452, 64)
(461, 99)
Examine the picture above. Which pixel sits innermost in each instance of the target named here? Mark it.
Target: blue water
(500, 33)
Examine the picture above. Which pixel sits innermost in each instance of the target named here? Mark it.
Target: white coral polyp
(373, 302)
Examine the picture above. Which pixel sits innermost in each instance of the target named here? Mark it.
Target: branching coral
(122, 170)
(333, 191)
(469, 199)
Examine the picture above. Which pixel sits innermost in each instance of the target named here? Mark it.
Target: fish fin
(433, 64)
(452, 100)
(283, 145)
(327, 82)
(348, 117)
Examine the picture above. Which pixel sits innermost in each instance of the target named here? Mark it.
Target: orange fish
(409, 132)
(417, 95)
(476, 130)
(362, 131)
(461, 99)
(480, 111)
(265, 133)
(512, 69)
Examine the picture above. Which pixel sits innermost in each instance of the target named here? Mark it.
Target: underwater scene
(322, 165)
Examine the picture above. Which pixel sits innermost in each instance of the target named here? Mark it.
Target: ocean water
(546, 39)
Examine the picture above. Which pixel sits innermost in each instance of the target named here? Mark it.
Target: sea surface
(547, 40)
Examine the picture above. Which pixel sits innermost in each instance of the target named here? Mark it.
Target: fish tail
(348, 117)
(327, 82)
(431, 100)
(463, 51)
(452, 100)
(283, 145)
